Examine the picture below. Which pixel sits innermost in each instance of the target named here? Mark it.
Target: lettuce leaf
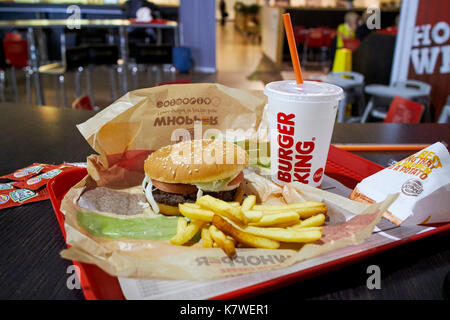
(159, 228)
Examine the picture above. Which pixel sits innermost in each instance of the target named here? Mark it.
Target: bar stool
(74, 59)
(353, 85)
(16, 55)
(314, 40)
(410, 89)
(151, 55)
(3, 67)
(445, 113)
(105, 55)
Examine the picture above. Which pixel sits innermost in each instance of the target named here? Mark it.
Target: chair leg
(341, 110)
(305, 54)
(149, 75)
(78, 82)
(56, 88)
(89, 85)
(112, 78)
(28, 74)
(367, 111)
(2, 86)
(362, 101)
(63, 90)
(159, 74)
(15, 94)
(135, 77)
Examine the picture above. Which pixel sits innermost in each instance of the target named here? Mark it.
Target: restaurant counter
(19, 11)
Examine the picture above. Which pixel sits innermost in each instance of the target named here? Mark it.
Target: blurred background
(86, 54)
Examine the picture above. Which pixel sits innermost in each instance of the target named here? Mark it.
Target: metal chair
(410, 89)
(16, 55)
(73, 59)
(154, 56)
(105, 55)
(445, 113)
(314, 40)
(353, 85)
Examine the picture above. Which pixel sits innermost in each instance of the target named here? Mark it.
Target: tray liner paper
(123, 135)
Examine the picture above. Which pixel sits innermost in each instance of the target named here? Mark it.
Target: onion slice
(199, 193)
(149, 195)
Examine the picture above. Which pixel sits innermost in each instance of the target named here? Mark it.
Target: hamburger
(185, 171)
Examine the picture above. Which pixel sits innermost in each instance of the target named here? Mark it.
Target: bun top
(196, 161)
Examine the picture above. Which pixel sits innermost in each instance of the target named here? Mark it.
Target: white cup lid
(309, 91)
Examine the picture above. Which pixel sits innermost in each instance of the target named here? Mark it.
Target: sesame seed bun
(195, 161)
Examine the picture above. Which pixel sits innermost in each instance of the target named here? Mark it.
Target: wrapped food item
(18, 197)
(28, 172)
(423, 181)
(38, 181)
(7, 186)
(144, 120)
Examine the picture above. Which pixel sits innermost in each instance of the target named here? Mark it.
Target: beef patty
(173, 199)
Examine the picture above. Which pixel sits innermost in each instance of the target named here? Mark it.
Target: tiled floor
(239, 59)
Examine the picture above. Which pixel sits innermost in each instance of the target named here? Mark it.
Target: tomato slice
(178, 188)
(237, 180)
(182, 188)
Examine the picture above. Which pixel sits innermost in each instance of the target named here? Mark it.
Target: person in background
(362, 31)
(223, 12)
(346, 30)
(132, 6)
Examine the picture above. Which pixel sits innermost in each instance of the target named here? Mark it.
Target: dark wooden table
(30, 238)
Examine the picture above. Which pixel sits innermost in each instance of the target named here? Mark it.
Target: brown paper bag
(145, 120)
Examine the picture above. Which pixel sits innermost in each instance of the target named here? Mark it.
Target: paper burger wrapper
(423, 181)
(358, 196)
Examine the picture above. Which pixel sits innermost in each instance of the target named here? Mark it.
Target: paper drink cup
(301, 119)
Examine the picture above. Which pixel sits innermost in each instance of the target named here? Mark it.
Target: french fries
(194, 213)
(277, 218)
(253, 241)
(207, 240)
(292, 206)
(304, 209)
(313, 221)
(181, 225)
(223, 208)
(231, 225)
(222, 241)
(252, 215)
(186, 233)
(285, 235)
(248, 203)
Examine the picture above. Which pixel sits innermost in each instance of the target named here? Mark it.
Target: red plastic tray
(347, 168)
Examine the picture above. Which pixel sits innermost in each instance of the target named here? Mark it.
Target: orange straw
(292, 47)
(381, 147)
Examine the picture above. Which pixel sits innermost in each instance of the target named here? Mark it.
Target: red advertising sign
(424, 53)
